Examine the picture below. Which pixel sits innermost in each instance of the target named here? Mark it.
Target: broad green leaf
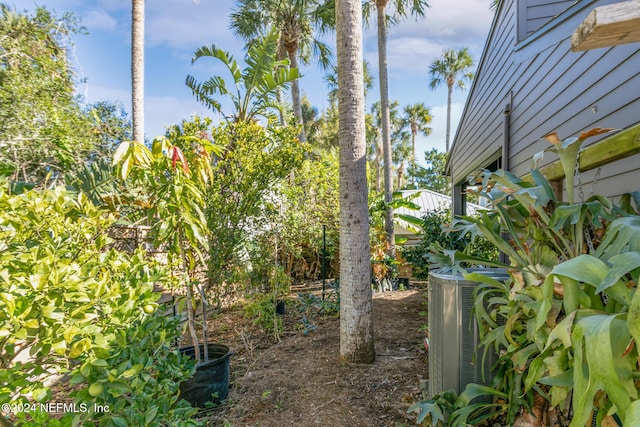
(599, 343)
(79, 347)
(119, 422)
(151, 414)
(50, 312)
(125, 168)
(117, 389)
(633, 414)
(633, 318)
(427, 408)
(564, 379)
(620, 265)
(60, 347)
(99, 363)
(622, 235)
(32, 324)
(41, 394)
(129, 373)
(120, 152)
(584, 268)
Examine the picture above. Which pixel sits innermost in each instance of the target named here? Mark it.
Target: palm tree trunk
(137, 69)
(356, 324)
(450, 87)
(282, 54)
(295, 94)
(413, 157)
(377, 158)
(386, 133)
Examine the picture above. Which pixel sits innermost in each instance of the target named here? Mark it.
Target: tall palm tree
(401, 8)
(418, 118)
(401, 153)
(453, 68)
(137, 69)
(296, 21)
(356, 324)
(331, 79)
(375, 135)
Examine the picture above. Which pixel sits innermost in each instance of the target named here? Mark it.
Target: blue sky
(176, 28)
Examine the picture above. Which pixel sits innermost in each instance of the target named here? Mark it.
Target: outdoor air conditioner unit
(453, 332)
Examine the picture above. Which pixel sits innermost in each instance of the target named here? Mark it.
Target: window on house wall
(461, 197)
(534, 14)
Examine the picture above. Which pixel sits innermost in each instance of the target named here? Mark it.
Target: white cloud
(413, 45)
(98, 19)
(182, 24)
(411, 55)
(466, 23)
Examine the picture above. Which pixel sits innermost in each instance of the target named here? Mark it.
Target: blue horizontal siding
(553, 89)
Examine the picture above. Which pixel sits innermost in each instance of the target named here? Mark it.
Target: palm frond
(202, 94)
(223, 56)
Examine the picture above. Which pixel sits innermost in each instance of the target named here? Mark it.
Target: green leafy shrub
(254, 160)
(566, 322)
(262, 309)
(71, 306)
(436, 230)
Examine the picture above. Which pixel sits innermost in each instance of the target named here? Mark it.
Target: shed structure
(429, 201)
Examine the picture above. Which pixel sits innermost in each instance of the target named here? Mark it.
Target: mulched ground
(300, 381)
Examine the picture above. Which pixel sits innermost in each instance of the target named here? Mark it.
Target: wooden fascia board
(607, 26)
(616, 147)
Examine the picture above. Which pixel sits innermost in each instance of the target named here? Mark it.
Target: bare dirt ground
(300, 380)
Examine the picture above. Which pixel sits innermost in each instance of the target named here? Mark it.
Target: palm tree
(296, 21)
(137, 69)
(402, 8)
(255, 88)
(417, 117)
(446, 70)
(331, 79)
(356, 324)
(401, 152)
(375, 135)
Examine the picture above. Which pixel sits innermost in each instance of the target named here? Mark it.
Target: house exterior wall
(548, 88)
(533, 14)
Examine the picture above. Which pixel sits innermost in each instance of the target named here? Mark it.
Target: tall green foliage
(294, 23)
(44, 131)
(432, 176)
(304, 205)
(171, 176)
(70, 305)
(454, 68)
(565, 324)
(436, 231)
(253, 161)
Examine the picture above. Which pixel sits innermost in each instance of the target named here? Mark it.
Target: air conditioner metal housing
(453, 332)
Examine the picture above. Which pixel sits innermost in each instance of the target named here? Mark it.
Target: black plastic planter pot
(210, 383)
